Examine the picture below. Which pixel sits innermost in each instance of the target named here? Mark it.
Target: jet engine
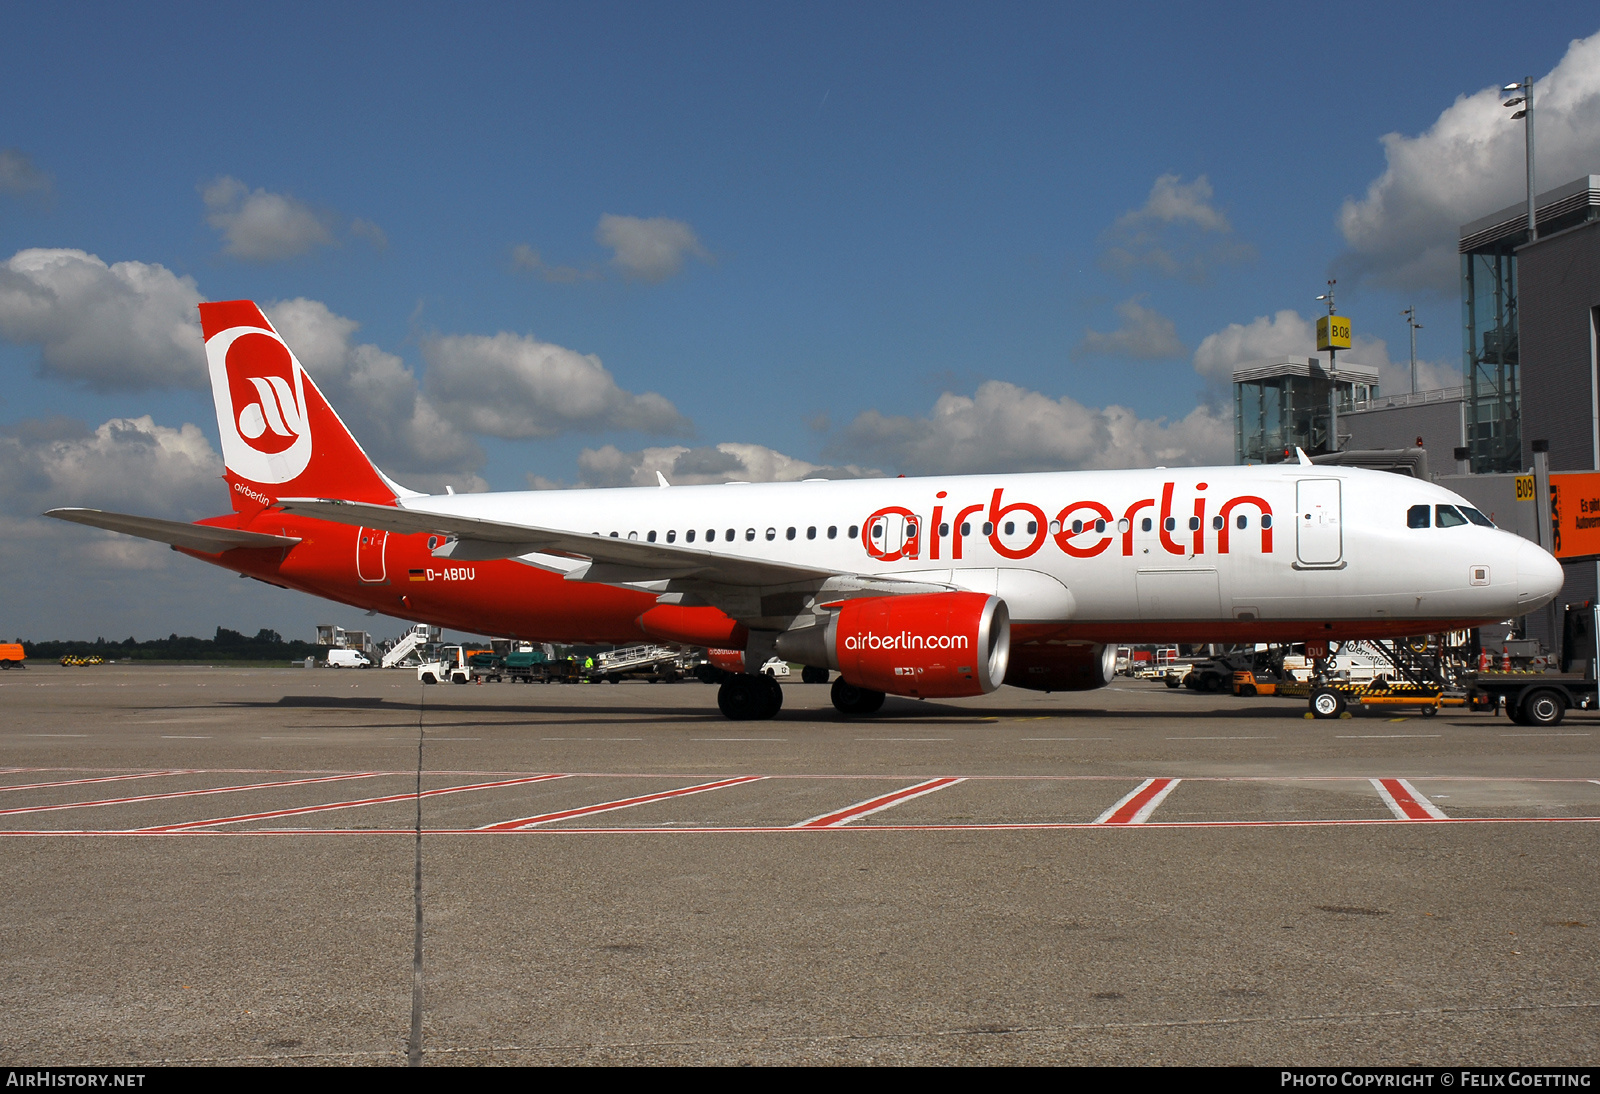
(1061, 666)
(928, 645)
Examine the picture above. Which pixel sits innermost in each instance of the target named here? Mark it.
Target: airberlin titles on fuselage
(1082, 529)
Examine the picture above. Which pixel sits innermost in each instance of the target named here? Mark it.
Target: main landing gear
(747, 698)
(849, 699)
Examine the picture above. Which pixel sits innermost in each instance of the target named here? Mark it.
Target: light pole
(1411, 321)
(1333, 376)
(1526, 114)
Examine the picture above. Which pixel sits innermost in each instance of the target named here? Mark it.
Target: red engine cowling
(928, 645)
(1061, 666)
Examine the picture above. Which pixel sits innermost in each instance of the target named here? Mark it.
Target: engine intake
(1062, 666)
(928, 645)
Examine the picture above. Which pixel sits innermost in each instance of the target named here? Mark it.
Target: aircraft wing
(612, 561)
(195, 537)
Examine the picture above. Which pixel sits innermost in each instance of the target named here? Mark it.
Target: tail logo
(259, 388)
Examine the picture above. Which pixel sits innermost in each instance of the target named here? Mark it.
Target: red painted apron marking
(874, 805)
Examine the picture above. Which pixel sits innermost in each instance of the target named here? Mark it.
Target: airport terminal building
(1530, 322)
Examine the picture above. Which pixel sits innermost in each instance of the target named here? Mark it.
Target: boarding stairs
(411, 643)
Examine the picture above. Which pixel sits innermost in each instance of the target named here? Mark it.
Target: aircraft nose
(1539, 577)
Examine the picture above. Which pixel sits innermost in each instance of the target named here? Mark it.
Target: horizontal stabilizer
(194, 537)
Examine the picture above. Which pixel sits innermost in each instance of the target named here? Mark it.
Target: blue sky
(866, 238)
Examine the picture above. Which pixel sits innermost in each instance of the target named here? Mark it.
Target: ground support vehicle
(1330, 700)
(347, 659)
(11, 656)
(73, 659)
(1263, 681)
(450, 667)
(656, 662)
(487, 666)
(1532, 698)
(410, 648)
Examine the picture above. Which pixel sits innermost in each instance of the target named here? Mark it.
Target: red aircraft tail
(280, 438)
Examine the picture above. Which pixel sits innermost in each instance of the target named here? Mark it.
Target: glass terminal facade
(1489, 345)
(1282, 405)
(1491, 358)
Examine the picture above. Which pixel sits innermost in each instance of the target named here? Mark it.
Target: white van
(348, 659)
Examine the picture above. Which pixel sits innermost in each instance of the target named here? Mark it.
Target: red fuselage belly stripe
(623, 803)
(874, 805)
(352, 804)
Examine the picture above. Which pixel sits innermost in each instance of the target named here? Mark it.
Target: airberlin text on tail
(280, 438)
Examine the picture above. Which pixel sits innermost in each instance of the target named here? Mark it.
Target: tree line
(226, 645)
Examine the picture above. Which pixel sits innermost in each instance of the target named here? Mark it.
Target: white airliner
(929, 587)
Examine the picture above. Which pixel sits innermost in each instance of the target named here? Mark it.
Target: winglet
(662, 479)
(1305, 461)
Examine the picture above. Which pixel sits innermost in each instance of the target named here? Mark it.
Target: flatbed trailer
(1332, 699)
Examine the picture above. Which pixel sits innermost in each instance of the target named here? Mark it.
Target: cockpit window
(1477, 518)
(1417, 516)
(1449, 516)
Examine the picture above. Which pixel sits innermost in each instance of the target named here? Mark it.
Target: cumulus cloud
(526, 260)
(1403, 234)
(648, 248)
(1004, 428)
(125, 326)
(1177, 232)
(263, 226)
(19, 177)
(379, 399)
(514, 386)
(1288, 334)
(1145, 335)
(683, 466)
(365, 229)
(125, 461)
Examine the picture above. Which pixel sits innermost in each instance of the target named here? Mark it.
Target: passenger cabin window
(1448, 516)
(855, 530)
(789, 534)
(730, 535)
(772, 534)
(988, 528)
(1417, 516)
(672, 535)
(966, 528)
(1171, 523)
(688, 537)
(749, 535)
(1477, 518)
(651, 536)
(811, 532)
(1144, 525)
(833, 531)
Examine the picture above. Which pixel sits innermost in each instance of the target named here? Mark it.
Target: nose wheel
(750, 698)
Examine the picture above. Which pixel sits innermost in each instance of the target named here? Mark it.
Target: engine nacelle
(1050, 666)
(928, 645)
